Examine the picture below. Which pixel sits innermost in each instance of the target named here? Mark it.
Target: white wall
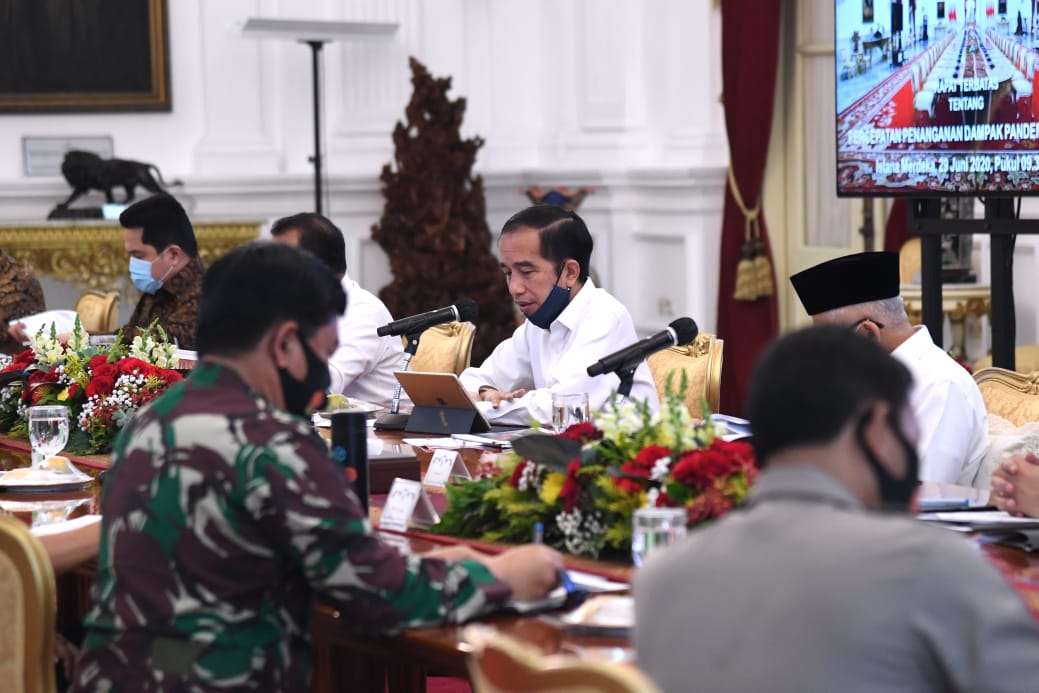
(616, 94)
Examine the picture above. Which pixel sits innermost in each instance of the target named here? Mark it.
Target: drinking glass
(48, 431)
(655, 528)
(569, 409)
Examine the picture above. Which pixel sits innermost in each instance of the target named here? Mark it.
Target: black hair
(255, 286)
(163, 222)
(563, 235)
(809, 384)
(317, 235)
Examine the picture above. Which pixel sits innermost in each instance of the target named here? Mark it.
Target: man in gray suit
(823, 583)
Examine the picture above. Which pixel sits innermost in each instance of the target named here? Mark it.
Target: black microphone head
(685, 330)
(467, 309)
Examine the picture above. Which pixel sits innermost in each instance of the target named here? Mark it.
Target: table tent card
(445, 465)
(407, 504)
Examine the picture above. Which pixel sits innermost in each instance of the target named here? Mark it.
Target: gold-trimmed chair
(28, 608)
(501, 664)
(1026, 359)
(98, 312)
(445, 348)
(702, 362)
(1009, 394)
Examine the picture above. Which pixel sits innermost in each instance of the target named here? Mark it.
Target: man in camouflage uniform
(224, 517)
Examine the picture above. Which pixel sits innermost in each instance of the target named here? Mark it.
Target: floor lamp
(316, 34)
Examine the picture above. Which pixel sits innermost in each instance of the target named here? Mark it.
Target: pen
(935, 504)
(539, 532)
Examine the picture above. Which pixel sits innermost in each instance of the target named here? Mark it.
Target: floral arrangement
(102, 385)
(626, 459)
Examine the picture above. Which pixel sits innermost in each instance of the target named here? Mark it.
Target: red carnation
(517, 473)
(73, 390)
(571, 491)
(583, 432)
(21, 360)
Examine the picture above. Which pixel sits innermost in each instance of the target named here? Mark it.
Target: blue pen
(539, 533)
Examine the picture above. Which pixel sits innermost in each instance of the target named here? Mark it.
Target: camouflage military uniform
(174, 305)
(20, 295)
(223, 517)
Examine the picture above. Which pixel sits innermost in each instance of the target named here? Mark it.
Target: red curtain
(750, 52)
(896, 232)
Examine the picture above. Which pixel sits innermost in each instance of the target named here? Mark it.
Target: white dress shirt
(362, 367)
(593, 325)
(949, 409)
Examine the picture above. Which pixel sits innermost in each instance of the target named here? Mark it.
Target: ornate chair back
(1009, 394)
(500, 664)
(909, 260)
(99, 312)
(1026, 359)
(445, 348)
(28, 608)
(702, 362)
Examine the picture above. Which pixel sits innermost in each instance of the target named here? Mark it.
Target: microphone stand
(627, 376)
(395, 421)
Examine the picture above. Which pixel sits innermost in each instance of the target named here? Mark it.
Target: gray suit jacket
(805, 590)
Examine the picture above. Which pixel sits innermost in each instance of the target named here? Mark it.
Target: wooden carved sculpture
(434, 226)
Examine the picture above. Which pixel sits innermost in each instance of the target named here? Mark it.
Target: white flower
(660, 469)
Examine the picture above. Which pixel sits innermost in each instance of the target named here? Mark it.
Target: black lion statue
(87, 171)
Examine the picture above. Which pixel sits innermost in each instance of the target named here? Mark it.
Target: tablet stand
(395, 421)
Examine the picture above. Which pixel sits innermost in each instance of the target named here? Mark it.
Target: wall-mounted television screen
(933, 104)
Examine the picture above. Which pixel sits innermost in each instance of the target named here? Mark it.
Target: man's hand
(1015, 485)
(496, 397)
(532, 570)
(17, 331)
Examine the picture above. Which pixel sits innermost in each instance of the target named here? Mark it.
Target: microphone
(462, 310)
(679, 332)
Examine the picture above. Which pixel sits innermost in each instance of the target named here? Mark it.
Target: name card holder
(407, 504)
(445, 465)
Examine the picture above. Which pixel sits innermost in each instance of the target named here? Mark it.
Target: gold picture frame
(104, 55)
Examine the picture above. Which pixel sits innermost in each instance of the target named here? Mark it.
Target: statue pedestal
(60, 212)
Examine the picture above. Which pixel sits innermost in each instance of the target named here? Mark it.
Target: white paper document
(981, 520)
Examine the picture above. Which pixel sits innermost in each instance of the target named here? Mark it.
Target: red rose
(100, 385)
(96, 361)
(583, 432)
(571, 491)
(132, 365)
(169, 377)
(106, 370)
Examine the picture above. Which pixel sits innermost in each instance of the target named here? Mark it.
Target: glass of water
(48, 431)
(655, 528)
(568, 410)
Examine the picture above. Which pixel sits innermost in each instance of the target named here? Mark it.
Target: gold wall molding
(92, 256)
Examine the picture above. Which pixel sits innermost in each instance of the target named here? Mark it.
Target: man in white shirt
(362, 366)
(861, 292)
(822, 582)
(571, 323)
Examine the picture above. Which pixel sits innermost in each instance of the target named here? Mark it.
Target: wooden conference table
(345, 660)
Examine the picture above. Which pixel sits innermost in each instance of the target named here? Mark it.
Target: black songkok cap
(847, 281)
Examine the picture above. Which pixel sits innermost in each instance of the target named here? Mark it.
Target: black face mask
(895, 492)
(299, 394)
